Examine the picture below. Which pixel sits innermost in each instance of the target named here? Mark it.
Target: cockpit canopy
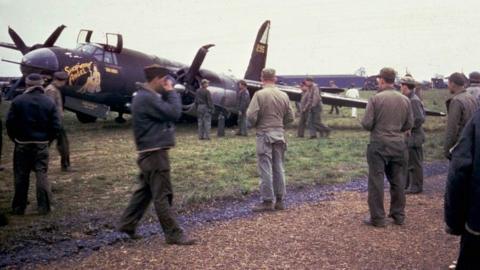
(98, 52)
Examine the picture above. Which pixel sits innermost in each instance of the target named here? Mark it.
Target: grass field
(104, 156)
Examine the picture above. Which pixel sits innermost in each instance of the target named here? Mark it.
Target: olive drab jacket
(388, 116)
(460, 108)
(417, 135)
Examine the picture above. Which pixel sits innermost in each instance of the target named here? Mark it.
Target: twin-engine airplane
(102, 77)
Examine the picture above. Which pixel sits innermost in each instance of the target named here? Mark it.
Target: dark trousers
(334, 107)
(469, 258)
(153, 184)
(390, 160)
(63, 149)
(314, 123)
(414, 180)
(302, 123)
(27, 158)
(242, 124)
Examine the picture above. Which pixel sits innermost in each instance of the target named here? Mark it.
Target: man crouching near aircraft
(269, 112)
(155, 108)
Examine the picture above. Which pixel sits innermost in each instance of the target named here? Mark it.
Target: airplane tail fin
(259, 53)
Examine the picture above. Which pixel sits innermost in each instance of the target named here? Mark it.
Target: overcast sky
(307, 37)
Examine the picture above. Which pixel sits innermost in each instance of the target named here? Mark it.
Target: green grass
(104, 155)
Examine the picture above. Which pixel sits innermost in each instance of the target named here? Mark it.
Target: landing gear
(85, 118)
(119, 119)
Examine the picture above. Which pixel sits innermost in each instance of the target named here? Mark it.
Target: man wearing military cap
(155, 108)
(414, 138)
(204, 106)
(269, 112)
(313, 107)
(53, 90)
(32, 123)
(388, 116)
(474, 88)
(460, 108)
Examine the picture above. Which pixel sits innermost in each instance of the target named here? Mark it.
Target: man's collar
(33, 88)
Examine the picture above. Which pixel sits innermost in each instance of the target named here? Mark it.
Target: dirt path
(325, 235)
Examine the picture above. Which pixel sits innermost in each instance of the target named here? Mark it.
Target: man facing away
(155, 108)
(53, 91)
(205, 107)
(462, 195)
(269, 112)
(460, 108)
(388, 116)
(32, 123)
(243, 100)
(415, 138)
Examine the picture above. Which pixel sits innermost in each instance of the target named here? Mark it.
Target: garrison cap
(474, 77)
(268, 73)
(457, 78)
(388, 74)
(34, 79)
(204, 81)
(408, 79)
(155, 70)
(60, 75)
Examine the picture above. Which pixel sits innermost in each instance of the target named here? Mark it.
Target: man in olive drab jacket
(388, 116)
(1, 138)
(314, 108)
(204, 106)
(155, 108)
(415, 138)
(53, 91)
(243, 100)
(32, 123)
(460, 108)
(269, 112)
(302, 123)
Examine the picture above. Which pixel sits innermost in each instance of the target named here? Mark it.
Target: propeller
(197, 62)
(24, 49)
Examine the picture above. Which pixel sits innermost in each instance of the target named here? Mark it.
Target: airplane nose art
(39, 60)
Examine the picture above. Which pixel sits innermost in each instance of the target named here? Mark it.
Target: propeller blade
(54, 36)
(21, 46)
(196, 64)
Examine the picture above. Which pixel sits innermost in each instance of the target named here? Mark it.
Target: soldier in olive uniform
(269, 112)
(53, 91)
(1, 138)
(243, 100)
(204, 106)
(474, 88)
(302, 123)
(415, 138)
(314, 108)
(460, 108)
(388, 116)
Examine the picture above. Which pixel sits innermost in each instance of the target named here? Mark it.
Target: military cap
(388, 74)
(204, 81)
(155, 70)
(60, 75)
(474, 77)
(34, 79)
(268, 73)
(309, 78)
(457, 78)
(242, 82)
(408, 80)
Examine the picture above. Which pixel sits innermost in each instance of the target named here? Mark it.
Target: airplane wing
(327, 98)
(9, 46)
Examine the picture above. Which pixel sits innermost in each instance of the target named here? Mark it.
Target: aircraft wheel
(85, 118)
